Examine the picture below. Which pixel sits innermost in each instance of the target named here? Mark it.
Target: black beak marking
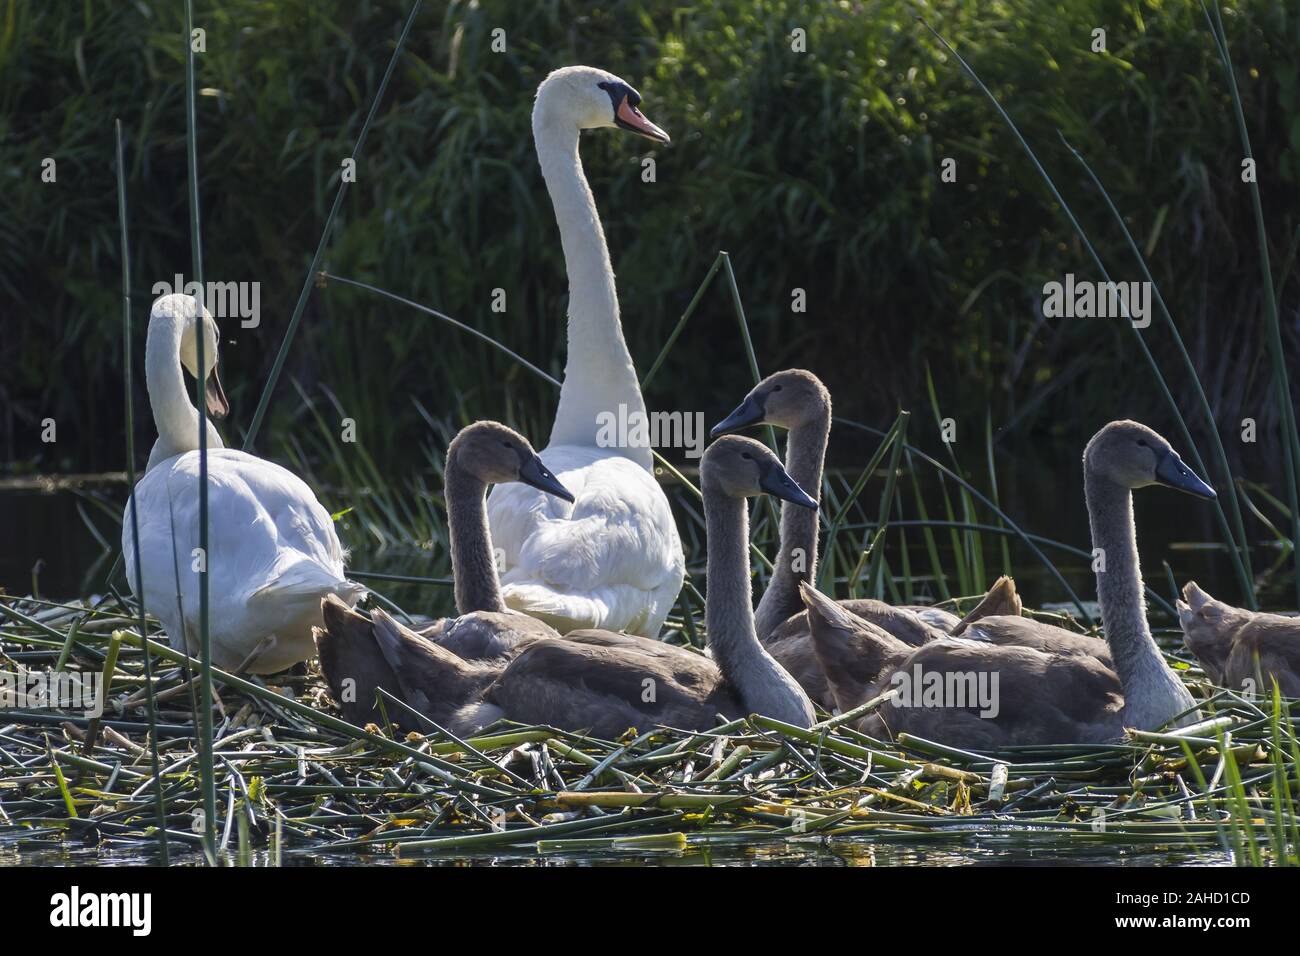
(1171, 472)
(747, 413)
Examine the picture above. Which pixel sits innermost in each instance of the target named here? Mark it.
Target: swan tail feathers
(415, 659)
(307, 582)
(351, 661)
(853, 652)
(826, 611)
(1001, 600)
(564, 612)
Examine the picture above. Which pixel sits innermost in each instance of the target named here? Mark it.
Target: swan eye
(1143, 443)
(747, 456)
(507, 444)
(776, 388)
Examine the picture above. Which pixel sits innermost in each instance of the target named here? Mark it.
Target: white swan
(612, 559)
(272, 550)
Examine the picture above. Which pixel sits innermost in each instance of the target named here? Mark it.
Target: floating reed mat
(295, 779)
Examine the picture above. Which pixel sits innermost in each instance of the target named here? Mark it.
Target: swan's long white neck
(1152, 692)
(805, 457)
(763, 685)
(174, 415)
(599, 376)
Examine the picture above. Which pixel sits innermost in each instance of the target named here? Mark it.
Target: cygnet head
(787, 399)
(1134, 456)
(1208, 628)
(497, 455)
(743, 468)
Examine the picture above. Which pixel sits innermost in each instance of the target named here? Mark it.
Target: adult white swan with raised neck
(612, 558)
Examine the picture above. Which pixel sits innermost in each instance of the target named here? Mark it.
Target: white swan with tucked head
(612, 559)
(272, 553)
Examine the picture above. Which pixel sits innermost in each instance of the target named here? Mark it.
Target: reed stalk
(164, 857)
(206, 769)
(283, 353)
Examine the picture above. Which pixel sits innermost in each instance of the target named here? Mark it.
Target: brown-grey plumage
(1001, 600)
(796, 400)
(1057, 691)
(595, 681)
(427, 672)
(603, 683)
(1042, 696)
(1241, 649)
(360, 655)
(791, 643)
(1027, 632)
(487, 635)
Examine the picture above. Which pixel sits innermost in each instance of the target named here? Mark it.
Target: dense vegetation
(816, 170)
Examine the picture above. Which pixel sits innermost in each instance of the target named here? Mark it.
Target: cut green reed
(300, 781)
(138, 583)
(1282, 385)
(1238, 544)
(886, 501)
(283, 353)
(206, 770)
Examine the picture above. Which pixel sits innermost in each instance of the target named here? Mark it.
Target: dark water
(1003, 849)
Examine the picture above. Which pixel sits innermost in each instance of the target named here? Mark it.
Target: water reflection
(1019, 849)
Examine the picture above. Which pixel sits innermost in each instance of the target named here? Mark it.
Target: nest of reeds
(291, 777)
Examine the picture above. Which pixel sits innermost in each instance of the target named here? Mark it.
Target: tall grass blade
(206, 769)
(681, 323)
(767, 500)
(886, 503)
(294, 319)
(927, 533)
(993, 485)
(825, 573)
(1207, 413)
(163, 851)
(448, 319)
(1282, 385)
(1235, 547)
(978, 495)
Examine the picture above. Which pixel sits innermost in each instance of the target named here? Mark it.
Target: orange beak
(631, 118)
(215, 396)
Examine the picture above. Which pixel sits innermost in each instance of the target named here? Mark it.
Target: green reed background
(813, 170)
